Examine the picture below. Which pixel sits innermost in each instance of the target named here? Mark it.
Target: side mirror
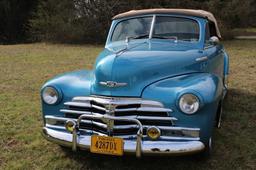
(214, 40)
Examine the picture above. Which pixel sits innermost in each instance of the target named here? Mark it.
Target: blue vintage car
(156, 88)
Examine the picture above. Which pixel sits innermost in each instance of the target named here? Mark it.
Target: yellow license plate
(107, 145)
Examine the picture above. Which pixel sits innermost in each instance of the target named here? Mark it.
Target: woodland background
(88, 21)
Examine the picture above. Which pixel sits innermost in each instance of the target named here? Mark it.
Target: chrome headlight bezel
(189, 103)
(51, 95)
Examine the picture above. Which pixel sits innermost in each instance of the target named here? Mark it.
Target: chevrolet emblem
(112, 84)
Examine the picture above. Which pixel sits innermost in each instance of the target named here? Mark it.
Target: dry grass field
(24, 68)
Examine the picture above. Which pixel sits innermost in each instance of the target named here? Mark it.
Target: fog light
(70, 125)
(153, 132)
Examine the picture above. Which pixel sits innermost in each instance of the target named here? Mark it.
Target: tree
(55, 20)
(14, 16)
(89, 20)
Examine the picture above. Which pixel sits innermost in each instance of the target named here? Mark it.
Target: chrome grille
(150, 113)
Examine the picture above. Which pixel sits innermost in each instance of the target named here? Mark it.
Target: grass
(24, 68)
(246, 29)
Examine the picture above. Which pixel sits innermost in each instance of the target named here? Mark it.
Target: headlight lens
(50, 95)
(189, 103)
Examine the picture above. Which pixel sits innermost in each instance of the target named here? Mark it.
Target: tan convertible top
(190, 12)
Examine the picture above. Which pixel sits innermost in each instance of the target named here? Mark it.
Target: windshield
(176, 28)
(132, 28)
(165, 27)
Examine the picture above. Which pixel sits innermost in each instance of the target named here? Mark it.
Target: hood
(142, 64)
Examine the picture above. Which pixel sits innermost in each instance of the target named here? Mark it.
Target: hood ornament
(112, 84)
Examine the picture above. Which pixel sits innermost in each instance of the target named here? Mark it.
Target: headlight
(189, 103)
(50, 95)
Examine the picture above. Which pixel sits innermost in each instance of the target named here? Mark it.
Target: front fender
(206, 86)
(71, 84)
(226, 63)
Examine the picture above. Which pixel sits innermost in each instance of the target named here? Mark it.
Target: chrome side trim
(205, 58)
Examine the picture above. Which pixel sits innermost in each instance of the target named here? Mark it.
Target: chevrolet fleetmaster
(156, 88)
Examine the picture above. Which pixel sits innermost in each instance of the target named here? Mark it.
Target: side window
(207, 34)
(210, 31)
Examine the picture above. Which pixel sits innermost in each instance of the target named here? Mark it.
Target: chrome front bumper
(147, 147)
(137, 146)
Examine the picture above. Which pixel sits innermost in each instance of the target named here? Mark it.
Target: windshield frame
(116, 22)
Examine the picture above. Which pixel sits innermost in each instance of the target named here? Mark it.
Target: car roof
(190, 12)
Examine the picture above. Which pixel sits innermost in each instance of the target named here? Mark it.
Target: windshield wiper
(126, 49)
(160, 37)
(136, 37)
(165, 37)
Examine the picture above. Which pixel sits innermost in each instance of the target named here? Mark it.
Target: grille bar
(133, 116)
(139, 109)
(55, 119)
(88, 126)
(118, 101)
(124, 131)
(148, 112)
